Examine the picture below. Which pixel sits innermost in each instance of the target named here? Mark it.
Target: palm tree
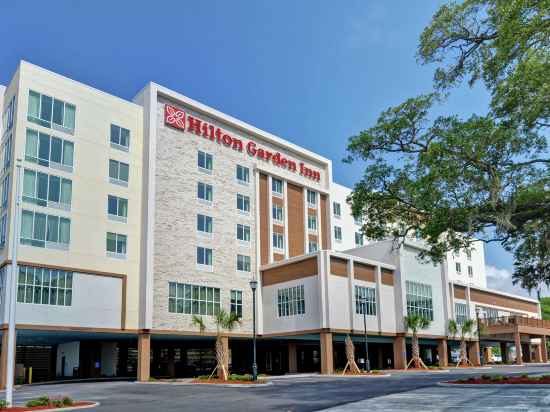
(464, 328)
(224, 321)
(416, 322)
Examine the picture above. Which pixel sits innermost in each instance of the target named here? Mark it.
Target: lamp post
(12, 302)
(253, 286)
(364, 307)
(479, 335)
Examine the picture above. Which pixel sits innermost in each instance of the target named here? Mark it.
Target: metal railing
(516, 320)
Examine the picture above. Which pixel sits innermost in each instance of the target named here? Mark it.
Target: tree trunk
(463, 358)
(416, 351)
(221, 358)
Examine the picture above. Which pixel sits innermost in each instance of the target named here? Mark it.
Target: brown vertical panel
(325, 227)
(296, 224)
(290, 271)
(460, 292)
(364, 272)
(387, 277)
(496, 299)
(264, 220)
(338, 266)
(277, 257)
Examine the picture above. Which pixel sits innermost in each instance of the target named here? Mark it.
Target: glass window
(204, 191)
(117, 243)
(365, 300)
(117, 206)
(34, 105)
(205, 161)
(40, 188)
(192, 299)
(120, 137)
(470, 271)
(468, 254)
(338, 233)
(44, 149)
(44, 286)
(243, 263)
(419, 299)
(358, 239)
(44, 110)
(37, 228)
(461, 312)
(277, 186)
(312, 222)
(312, 246)
(291, 301)
(237, 303)
(278, 241)
(336, 209)
(204, 223)
(277, 213)
(311, 198)
(5, 190)
(243, 233)
(118, 170)
(204, 256)
(458, 268)
(243, 174)
(243, 203)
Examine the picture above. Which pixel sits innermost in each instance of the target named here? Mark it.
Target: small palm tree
(415, 322)
(224, 321)
(465, 329)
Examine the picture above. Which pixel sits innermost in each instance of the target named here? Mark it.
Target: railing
(516, 320)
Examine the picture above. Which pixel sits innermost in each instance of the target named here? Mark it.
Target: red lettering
(251, 148)
(226, 140)
(194, 125)
(292, 166)
(268, 155)
(237, 145)
(218, 135)
(211, 132)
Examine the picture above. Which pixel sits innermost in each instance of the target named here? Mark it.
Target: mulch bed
(41, 408)
(507, 380)
(360, 374)
(229, 382)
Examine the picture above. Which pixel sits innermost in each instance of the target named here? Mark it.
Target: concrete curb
(71, 408)
(380, 375)
(223, 385)
(495, 385)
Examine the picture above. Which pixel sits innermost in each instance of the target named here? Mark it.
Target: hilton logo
(174, 117)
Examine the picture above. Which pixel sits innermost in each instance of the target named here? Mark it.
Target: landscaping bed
(46, 403)
(234, 379)
(348, 373)
(504, 380)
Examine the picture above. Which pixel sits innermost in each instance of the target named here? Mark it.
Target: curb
(223, 385)
(380, 375)
(496, 385)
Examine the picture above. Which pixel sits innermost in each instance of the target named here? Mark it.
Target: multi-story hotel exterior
(135, 216)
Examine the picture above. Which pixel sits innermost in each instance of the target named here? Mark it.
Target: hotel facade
(136, 215)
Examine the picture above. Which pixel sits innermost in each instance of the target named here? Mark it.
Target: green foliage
(41, 401)
(223, 320)
(4, 404)
(415, 322)
(486, 377)
(237, 377)
(54, 402)
(67, 401)
(449, 180)
(198, 321)
(545, 308)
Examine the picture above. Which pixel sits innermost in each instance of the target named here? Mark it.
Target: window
(470, 271)
(41, 230)
(461, 312)
(204, 256)
(468, 254)
(5, 190)
(291, 301)
(277, 187)
(116, 244)
(243, 263)
(336, 209)
(243, 203)
(338, 233)
(49, 151)
(205, 161)
(312, 223)
(47, 190)
(43, 286)
(311, 198)
(358, 221)
(488, 313)
(6, 153)
(365, 300)
(419, 299)
(277, 213)
(458, 268)
(192, 299)
(204, 223)
(243, 233)
(358, 239)
(8, 116)
(3, 230)
(243, 174)
(118, 172)
(120, 138)
(312, 246)
(117, 208)
(204, 192)
(47, 111)
(237, 303)
(278, 241)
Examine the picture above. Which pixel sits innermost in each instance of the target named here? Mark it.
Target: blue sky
(312, 72)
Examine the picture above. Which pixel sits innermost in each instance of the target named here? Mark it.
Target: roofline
(497, 292)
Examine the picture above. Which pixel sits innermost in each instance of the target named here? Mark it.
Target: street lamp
(254, 286)
(364, 307)
(478, 310)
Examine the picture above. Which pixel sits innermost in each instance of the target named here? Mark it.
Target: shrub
(485, 377)
(237, 377)
(67, 401)
(524, 376)
(498, 378)
(4, 404)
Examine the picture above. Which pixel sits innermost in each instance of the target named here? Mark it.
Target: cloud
(501, 279)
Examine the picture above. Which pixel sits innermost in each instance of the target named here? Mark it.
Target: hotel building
(136, 215)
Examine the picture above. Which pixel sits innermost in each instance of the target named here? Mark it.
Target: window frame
(205, 186)
(274, 184)
(116, 253)
(245, 171)
(208, 160)
(117, 144)
(207, 255)
(245, 202)
(193, 299)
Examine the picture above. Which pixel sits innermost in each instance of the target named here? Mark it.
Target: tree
(414, 323)
(451, 180)
(465, 329)
(224, 321)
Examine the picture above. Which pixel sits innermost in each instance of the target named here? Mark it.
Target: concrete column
(538, 353)
(473, 353)
(504, 351)
(292, 358)
(543, 349)
(517, 342)
(4, 360)
(442, 352)
(399, 352)
(327, 362)
(225, 344)
(144, 356)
